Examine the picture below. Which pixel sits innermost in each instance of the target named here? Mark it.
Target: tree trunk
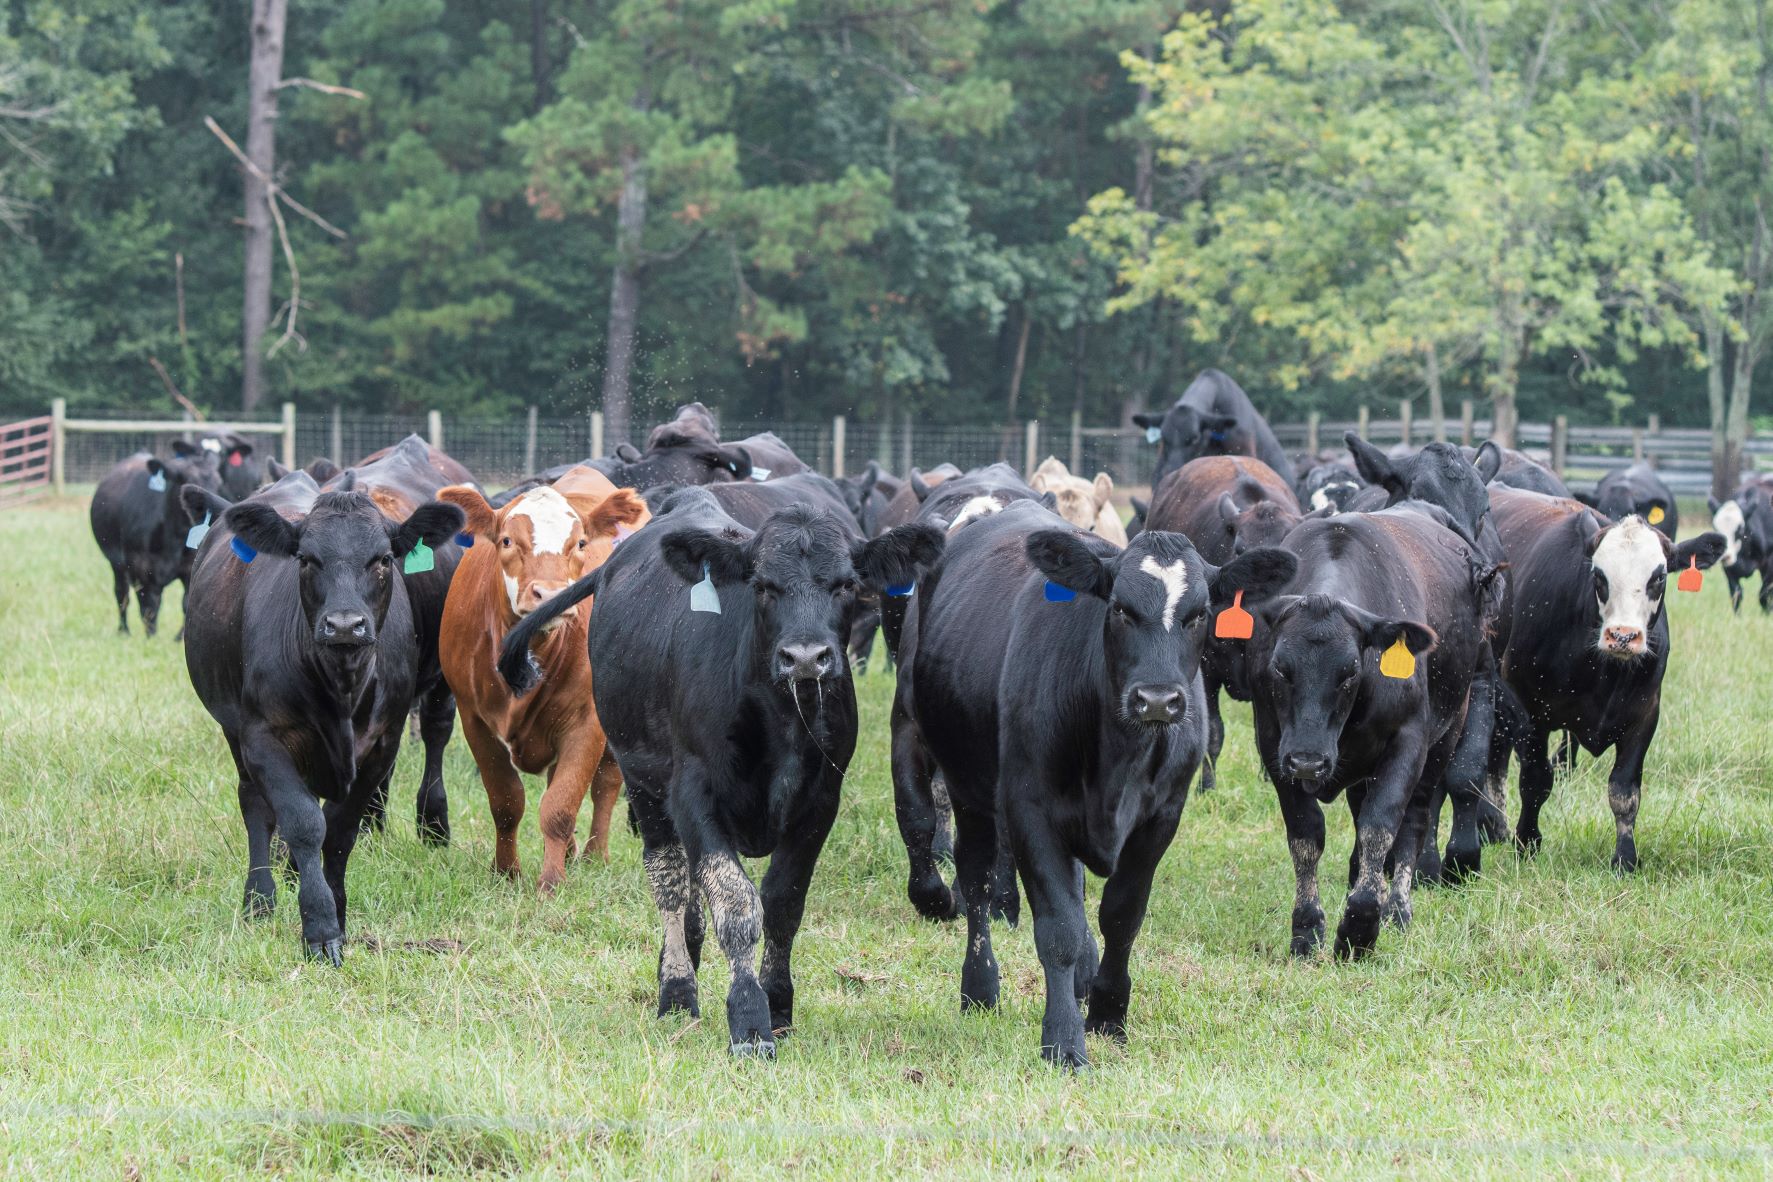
(1736, 425)
(624, 297)
(1021, 363)
(1437, 407)
(1503, 386)
(538, 52)
(1724, 469)
(264, 72)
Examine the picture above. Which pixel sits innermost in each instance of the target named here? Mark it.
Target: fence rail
(25, 448)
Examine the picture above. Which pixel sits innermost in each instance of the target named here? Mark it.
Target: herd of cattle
(684, 619)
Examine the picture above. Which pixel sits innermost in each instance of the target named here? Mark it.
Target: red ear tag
(1692, 578)
(233, 459)
(1234, 623)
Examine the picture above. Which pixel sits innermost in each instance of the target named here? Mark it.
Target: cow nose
(804, 662)
(1158, 703)
(344, 628)
(1305, 767)
(540, 593)
(1624, 640)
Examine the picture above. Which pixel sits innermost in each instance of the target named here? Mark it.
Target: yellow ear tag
(1397, 661)
(1656, 515)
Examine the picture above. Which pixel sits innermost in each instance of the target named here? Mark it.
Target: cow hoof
(981, 1000)
(331, 951)
(1625, 862)
(1110, 1028)
(679, 996)
(258, 905)
(1461, 867)
(1071, 1059)
(434, 835)
(933, 899)
(547, 885)
(1527, 844)
(755, 1047)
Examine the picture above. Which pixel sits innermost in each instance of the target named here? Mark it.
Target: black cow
(770, 457)
(721, 682)
(692, 418)
(140, 526)
(1087, 762)
(1213, 417)
(1136, 523)
(1636, 490)
(750, 502)
(1332, 717)
(241, 468)
(1519, 470)
(1329, 486)
(1589, 643)
(307, 658)
(1746, 523)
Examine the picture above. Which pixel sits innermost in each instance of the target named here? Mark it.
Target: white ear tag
(703, 596)
(194, 536)
(1153, 434)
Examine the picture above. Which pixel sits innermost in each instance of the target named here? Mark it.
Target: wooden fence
(25, 453)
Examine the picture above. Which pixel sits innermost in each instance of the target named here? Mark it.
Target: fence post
(1403, 418)
(1465, 417)
(837, 444)
(58, 447)
(338, 434)
(905, 439)
(823, 461)
(1076, 441)
(596, 434)
(1312, 421)
(289, 435)
(1637, 445)
(529, 443)
(1655, 424)
(1031, 448)
(1362, 421)
(434, 428)
(1560, 443)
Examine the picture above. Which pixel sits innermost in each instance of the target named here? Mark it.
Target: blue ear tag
(465, 541)
(760, 473)
(157, 482)
(703, 596)
(1216, 436)
(1153, 434)
(419, 559)
(1058, 594)
(194, 538)
(241, 550)
(902, 590)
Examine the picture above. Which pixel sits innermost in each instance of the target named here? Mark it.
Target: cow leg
(1535, 787)
(1413, 831)
(1125, 897)
(120, 590)
(784, 901)
(668, 874)
(1376, 831)
(737, 913)
(561, 802)
(1006, 900)
(303, 826)
(1625, 788)
(606, 789)
(915, 807)
(504, 791)
(255, 812)
(1061, 935)
(437, 719)
(147, 598)
(1304, 819)
(1464, 782)
(1215, 733)
(975, 850)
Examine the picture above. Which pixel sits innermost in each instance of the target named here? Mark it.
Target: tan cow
(525, 553)
(1083, 503)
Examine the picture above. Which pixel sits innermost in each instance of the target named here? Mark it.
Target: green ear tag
(419, 559)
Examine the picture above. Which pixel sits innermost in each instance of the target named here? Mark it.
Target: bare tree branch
(295, 280)
(322, 87)
(272, 186)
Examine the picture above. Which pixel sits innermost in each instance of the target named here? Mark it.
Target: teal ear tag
(1153, 434)
(194, 538)
(157, 482)
(419, 559)
(703, 596)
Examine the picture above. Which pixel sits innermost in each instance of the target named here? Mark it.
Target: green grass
(1551, 1018)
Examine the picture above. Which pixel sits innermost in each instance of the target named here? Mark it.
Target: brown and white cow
(1084, 503)
(526, 552)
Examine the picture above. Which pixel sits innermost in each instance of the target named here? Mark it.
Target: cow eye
(1600, 586)
(1122, 614)
(505, 542)
(583, 542)
(1658, 582)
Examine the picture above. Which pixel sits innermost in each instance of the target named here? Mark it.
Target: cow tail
(516, 665)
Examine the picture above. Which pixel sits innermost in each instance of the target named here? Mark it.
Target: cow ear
(322, 469)
(627, 453)
(1372, 464)
(155, 466)
(275, 471)
(1707, 548)
(481, 517)
(898, 556)
(1228, 509)
(622, 507)
(240, 447)
(1104, 490)
(262, 528)
(734, 459)
(1148, 421)
(693, 552)
(1066, 558)
(1258, 573)
(1142, 508)
(183, 450)
(199, 503)
(918, 488)
(1038, 482)
(1488, 460)
(436, 523)
(1050, 500)
(1379, 633)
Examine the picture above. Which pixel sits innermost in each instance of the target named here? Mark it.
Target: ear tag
(1692, 578)
(465, 540)
(1398, 661)
(1657, 515)
(732, 467)
(194, 537)
(703, 596)
(157, 482)
(241, 550)
(1216, 436)
(233, 459)
(1153, 434)
(903, 590)
(1058, 594)
(760, 473)
(419, 559)
(1234, 623)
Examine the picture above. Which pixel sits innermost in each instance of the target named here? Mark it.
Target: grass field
(1549, 1019)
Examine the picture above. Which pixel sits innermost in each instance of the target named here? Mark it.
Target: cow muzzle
(806, 661)
(1306, 767)
(345, 629)
(1157, 705)
(536, 594)
(1622, 642)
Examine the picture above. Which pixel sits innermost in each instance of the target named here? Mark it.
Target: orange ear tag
(1234, 623)
(1692, 578)
(1398, 661)
(1656, 515)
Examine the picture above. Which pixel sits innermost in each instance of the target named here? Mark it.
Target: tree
(264, 74)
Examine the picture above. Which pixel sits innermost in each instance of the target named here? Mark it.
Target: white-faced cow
(1746, 523)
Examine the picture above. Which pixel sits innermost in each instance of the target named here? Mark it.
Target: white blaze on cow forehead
(977, 507)
(213, 445)
(1728, 521)
(1174, 577)
(1630, 556)
(551, 519)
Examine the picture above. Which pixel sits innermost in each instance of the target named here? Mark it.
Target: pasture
(1551, 1018)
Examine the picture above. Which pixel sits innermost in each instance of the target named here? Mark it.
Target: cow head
(692, 418)
(1160, 594)
(980, 493)
(859, 491)
(1439, 474)
(677, 458)
(346, 552)
(1729, 519)
(803, 570)
(1331, 487)
(1077, 500)
(188, 467)
(1262, 523)
(1310, 669)
(542, 540)
(1185, 433)
(1629, 562)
